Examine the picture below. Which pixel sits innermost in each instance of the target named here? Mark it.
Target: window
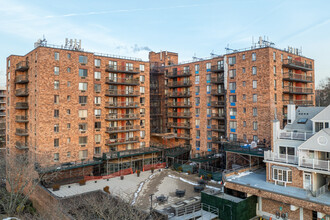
(244, 97)
(68, 140)
(197, 89)
(56, 156)
(83, 154)
(208, 77)
(56, 99)
(196, 67)
(244, 83)
(274, 69)
(68, 111)
(281, 57)
(244, 110)
(97, 62)
(197, 111)
(83, 59)
(283, 175)
(275, 98)
(142, 112)
(255, 125)
(318, 126)
(97, 150)
(254, 84)
(254, 56)
(142, 100)
(142, 78)
(56, 142)
(208, 66)
(82, 127)
(243, 70)
(97, 100)
(244, 123)
(57, 56)
(142, 134)
(142, 123)
(97, 87)
(232, 86)
(208, 111)
(255, 112)
(232, 98)
(274, 56)
(97, 138)
(233, 137)
(69, 55)
(56, 70)
(68, 83)
(232, 111)
(197, 122)
(82, 113)
(198, 143)
(56, 113)
(198, 133)
(82, 86)
(83, 72)
(68, 125)
(68, 154)
(208, 88)
(56, 128)
(209, 145)
(97, 125)
(255, 138)
(197, 100)
(142, 67)
(142, 89)
(275, 84)
(243, 57)
(56, 84)
(254, 70)
(97, 112)
(68, 98)
(232, 73)
(83, 140)
(196, 79)
(97, 75)
(232, 60)
(255, 98)
(129, 67)
(83, 100)
(113, 64)
(68, 70)
(233, 124)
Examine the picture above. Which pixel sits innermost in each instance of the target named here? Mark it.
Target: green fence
(184, 167)
(217, 176)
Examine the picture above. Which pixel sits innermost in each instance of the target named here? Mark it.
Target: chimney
(291, 113)
(276, 131)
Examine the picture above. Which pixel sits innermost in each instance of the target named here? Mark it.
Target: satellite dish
(253, 144)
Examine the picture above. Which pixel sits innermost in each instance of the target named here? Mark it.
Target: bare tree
(322, 97)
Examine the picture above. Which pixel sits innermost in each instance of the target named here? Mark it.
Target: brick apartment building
(2, 117)
(70, 105)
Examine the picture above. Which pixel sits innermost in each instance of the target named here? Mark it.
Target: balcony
(217, 104)
(297, 77)
(22, 132)
(282, 158)
(22, 66)
(179, 95)
(122, 69)
(122, 81)
(21, 119)
(22, 92)
(218, 128)
(218, 116)
(242, 148)
(297, 90)
(303, 102)
(294, 64)
(217, 92)
(179, 104)
(314, 164)
(217, 140)
(21, 79)
(217, 80)
(183, 136)
(217, 68)
(120, 141)
(298, 136)
(118, 117)
(179, 114)
(122, 93)
(131, 152)
(120, 129)
(21, 145)
(122, 105)
(2, 95)
(2, 113)
(179, 84)
(179, 125)
(181, 73)
(22, 105)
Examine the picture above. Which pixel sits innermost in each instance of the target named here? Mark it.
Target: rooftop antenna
(213, 54)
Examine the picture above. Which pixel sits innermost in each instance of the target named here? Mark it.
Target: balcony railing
(183, 136)
(22, 66)
(119, 141)
(117, 117)
(220, 128)
(22, 105)
(218, 116)
(181, 73)
(22, 92)
(217, 103)
(314, 164)
(123, 129)
(217, 92)
(2, 113)
(297, 77)
(179, 84)
(242, 148)
(131, 152)
(122, 81)
(300, 136)
(298, 102)
(122, 104)
(20, 79)
(22, 132)
(123, 69)
(294, 64)
(179, 125)
(217, 140)
(21, 118)
(217, 68)
(179, 114)
(122, 93)
(179, 104)
(282, 158)
(297, 90)
(21, 145)
(217, 80)
(179, 94)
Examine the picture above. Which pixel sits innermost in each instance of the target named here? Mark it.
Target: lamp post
(151, 202)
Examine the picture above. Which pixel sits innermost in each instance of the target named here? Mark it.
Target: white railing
(283, 158)
(301, 136)
(314, 164)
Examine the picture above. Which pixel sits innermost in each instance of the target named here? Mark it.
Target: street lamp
(151, 202)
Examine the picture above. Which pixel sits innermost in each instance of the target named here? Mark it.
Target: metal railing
(21, 78)
(297, 64)
(117, 80)
(219, 127)
(122, 105)
(131, 152)
(115, 116)
(179, 114)
(22, 105)
(20, 131)
(180, 73)
(119, 141)
(217, 80)
(297, 77)
(21, 118)
(290, 135)
(184, 136)
(22, 92)
(127, 69)
(176, 124)
(323, 189)
(22, 66)
(179, 104)
(217, 68)
(217, 103)
(122, 128)
(21, 145)
(179, 84)
(292, 89)
(217, 115)
(217, 92)
(179, 94)
(303, 102)
(284, 158)
(314, 164)
(122, 92)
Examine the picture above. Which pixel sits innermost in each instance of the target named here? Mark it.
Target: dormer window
(302, 120)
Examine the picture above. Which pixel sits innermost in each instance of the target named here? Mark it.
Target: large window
(56, 84)
(232, 60)
(283, 175)
(232, 73)
(83, 154)
(97, 62)
(83, 59)
(57, 56)
(83, 100)
(254, 56)
(254, 70)
(232, 98)
(232, 86)
(233, 124)
(56, 70)
(254, 84)
(83, 72)
(83, 140)
(82, 86)
(232, 111)
(97, 100)
(97, 75)
(82, 113)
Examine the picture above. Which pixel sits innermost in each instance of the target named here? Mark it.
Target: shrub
(56, 187)
(82, 182)
(106, 189)
(138, 172)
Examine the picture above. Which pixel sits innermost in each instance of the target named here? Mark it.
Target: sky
(188, 27)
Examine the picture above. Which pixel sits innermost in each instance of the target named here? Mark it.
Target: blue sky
(189, 27)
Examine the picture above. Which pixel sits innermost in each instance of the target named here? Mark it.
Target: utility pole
(151, 202)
